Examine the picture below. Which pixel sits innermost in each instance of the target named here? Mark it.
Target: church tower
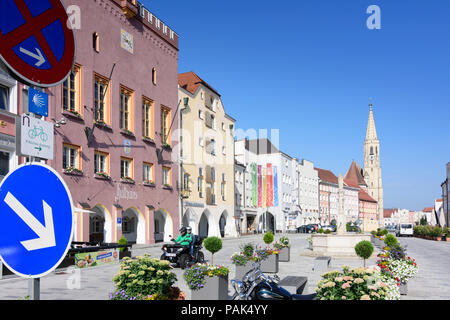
(372, 167)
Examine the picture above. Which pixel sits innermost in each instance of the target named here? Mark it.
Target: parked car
(405, 229)
(391, 229)
(309, 228)
(330, 227)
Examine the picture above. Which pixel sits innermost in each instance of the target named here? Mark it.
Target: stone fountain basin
(337, 245)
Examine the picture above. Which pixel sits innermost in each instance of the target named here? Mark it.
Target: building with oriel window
(207, 159)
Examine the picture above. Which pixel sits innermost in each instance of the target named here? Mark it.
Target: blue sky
(309, 67)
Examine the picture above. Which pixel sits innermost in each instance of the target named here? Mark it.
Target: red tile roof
(354, 175)
(429, 209)
(364, 196)
(190, 81)
(387, 213)
(327, 175)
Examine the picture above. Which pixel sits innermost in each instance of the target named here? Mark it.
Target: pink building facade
(115, 150)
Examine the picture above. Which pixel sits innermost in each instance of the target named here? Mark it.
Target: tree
(268, 237)
(364, 249)
(213, 245)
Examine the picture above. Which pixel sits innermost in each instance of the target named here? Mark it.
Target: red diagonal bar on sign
(32, 26)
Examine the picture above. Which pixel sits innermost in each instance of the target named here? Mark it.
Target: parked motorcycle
(179, 255)
(255, 285)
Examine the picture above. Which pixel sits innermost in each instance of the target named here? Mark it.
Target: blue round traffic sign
(36, 220)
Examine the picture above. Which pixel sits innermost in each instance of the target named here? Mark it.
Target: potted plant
(123, 252)
(149, 183)
(269, 259)
(284, 248)
(127, 179)
(353, 284)
(127, 132)
(73, 170)
(364, 249)
(395, 263)
(242, 260)
(102, 175)
(145, 278)
(207, 282)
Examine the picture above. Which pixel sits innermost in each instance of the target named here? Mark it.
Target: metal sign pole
(34, 289)
(1, 269)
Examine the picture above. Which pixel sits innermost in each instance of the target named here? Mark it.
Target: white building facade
(308, 186)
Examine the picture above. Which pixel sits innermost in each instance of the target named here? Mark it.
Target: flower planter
(403, 288)
(447, 239)
(438, 238)
(285, 254)
(124, 254)
(216, 288)
(240, 271)
(270, 265)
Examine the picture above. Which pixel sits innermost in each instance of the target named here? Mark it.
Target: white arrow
(45, 233)
(39, 56)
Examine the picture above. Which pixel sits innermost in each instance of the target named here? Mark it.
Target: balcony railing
(130, 8)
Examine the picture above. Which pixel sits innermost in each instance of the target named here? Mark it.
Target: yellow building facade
(206, 159)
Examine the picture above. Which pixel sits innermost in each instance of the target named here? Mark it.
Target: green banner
(254, 185)
(92, 259)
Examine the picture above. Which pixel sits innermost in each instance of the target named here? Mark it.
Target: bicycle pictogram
(38, 132)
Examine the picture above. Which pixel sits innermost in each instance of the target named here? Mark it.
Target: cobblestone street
(431, 281)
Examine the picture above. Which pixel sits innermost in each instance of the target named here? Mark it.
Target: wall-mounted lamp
(186, 101)
(60, 122)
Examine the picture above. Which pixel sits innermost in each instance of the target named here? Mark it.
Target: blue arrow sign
(37, 102)
(36, 220)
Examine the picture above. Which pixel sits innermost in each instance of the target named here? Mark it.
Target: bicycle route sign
(36, 212)
(35, 137)
(36, 41)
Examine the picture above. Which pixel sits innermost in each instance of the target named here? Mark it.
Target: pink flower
(345, 285)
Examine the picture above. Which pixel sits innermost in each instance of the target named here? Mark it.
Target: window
(4, 98)
(101, 163)
(186, 181)
(71, 92)
(126, 168)
(147, 119)
(158, 23)
(125, 109)
(165, 123)
(166, 176)
(128, 225)
(4, 164)
(200, 185)
(212, 147)
(96, 42)
(201, 114)
(71, 157)
(100, 96)
(172, 34)
(147, 173)
(154, 76)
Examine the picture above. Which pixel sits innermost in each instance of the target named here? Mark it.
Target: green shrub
(328, 231)
(213, 245)
(122, 241)
(364, 249)
(268, 237)
(390, 240)
(384, 232)
(320, 230)
(143, 277)
(247, 249)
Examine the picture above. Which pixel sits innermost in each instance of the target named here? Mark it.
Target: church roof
(354, 175)
(371, 131)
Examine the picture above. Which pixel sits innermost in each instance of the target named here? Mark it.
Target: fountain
(341, 243)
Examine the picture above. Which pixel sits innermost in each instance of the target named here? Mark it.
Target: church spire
(371, 132)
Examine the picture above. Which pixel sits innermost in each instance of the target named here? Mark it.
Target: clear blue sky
(308, 68)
